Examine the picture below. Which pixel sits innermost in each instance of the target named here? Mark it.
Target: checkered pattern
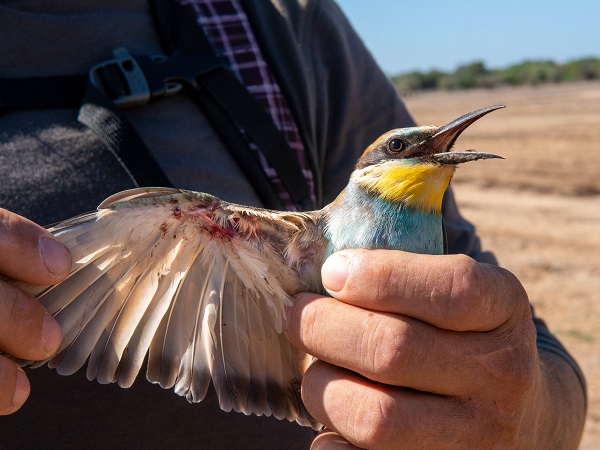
(229, 31)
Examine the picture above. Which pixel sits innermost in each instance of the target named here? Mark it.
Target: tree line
(477, 75)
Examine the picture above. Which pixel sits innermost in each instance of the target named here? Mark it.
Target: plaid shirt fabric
(229, 31)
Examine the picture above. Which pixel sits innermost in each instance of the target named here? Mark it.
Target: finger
(29, 252)
(14, 386)
(27, 331)
(401, 351)
(377, 416)
(453, 292)
(330, 440)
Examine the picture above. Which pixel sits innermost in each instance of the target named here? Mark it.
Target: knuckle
(19, 249)
(482, 296)
(465, 291)
(9, 226)
(309, 327)
(513, 368)
(377, 273)
(5, 219)
(16, 306)
(388, 283)
(373, 421)
(488, 422)
(499, 424)
(20, 321)
(11, 304)
(386, 348)
(493, 426)
(515, 292)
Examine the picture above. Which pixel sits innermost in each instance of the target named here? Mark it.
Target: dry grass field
(539, 210)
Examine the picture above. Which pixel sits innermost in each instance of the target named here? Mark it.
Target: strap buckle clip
(121, 79)
(130, 81)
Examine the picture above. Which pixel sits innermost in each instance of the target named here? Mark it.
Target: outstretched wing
(199, 285)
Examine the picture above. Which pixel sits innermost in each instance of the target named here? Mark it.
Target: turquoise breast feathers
(363, 219)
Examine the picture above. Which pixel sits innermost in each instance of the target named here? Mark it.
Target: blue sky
(405, 35)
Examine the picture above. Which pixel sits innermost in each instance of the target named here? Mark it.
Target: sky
(425, 34)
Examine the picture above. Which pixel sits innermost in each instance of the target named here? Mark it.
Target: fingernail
(55, 256)
(51, 335)
(335, 272)
(22, 389)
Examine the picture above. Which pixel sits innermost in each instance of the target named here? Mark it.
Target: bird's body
(374, 212)
(201, 285)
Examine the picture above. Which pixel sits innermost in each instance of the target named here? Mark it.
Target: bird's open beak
(442, 141)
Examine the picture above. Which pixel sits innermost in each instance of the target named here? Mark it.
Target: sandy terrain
(539, 210)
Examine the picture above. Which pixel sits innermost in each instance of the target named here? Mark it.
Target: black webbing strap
(128, 81)
(179, 31)
(97, 112)
(255, 121)
(101, 116)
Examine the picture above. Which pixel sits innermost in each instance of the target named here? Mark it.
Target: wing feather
(198, 285)
(235, 339)
(144, 333)
(197, 366)
(257, 352)
(144, 292)
(177, 327)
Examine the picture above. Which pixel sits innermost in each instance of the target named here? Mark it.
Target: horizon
(539, 30)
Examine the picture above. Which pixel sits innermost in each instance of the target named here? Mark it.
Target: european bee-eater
(201, 285)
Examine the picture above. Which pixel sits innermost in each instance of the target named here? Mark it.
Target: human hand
(28, 253)
(419, 351)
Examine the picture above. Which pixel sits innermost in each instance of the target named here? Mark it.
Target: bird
(199, 286)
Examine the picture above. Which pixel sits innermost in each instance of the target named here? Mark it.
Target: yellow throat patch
(418, 185)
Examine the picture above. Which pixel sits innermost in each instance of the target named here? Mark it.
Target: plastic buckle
(132, 79)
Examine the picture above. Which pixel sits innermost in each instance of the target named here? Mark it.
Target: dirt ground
(538, 210)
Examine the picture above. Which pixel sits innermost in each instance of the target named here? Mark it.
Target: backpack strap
(131, 81)
(97, 112)
(105, 119)
(179, 31)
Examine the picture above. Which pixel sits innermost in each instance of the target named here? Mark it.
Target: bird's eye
(396, 145)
